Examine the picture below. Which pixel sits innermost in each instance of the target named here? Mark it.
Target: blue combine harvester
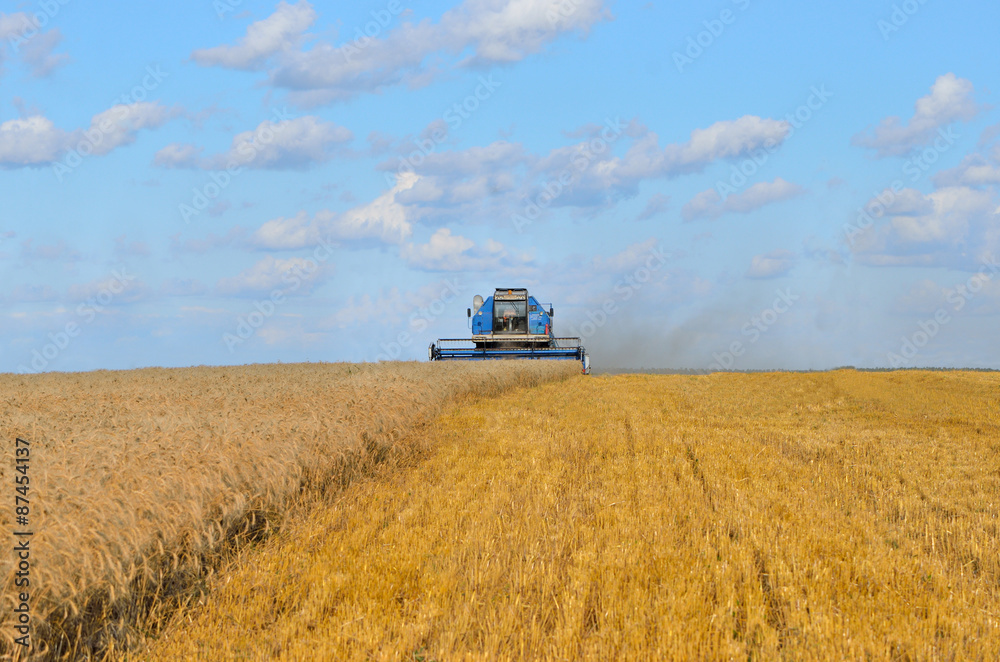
(511, 324)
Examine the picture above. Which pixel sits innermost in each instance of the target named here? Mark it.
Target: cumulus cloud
(36, 141)
(447, 252)
(974, 170)
(178, 155)
(281, 31)
(502, 179)
(34, 46)
(952, 212)
(38, 54)
(286, 144)
(709, 204)
(955, 226)
(31, 141)
(728, 139)
(384, 219)
(599, 175)
(771, 265)
(495, 31)
(271, 273)
(119, 125)
(950, 100)
(510, 30)
(287, 233)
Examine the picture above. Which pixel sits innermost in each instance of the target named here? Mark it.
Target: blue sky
(729, 184)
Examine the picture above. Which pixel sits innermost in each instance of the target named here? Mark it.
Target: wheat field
(144, 482)
(839, 515)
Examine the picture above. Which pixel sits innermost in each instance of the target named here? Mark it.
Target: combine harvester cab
(511, 324)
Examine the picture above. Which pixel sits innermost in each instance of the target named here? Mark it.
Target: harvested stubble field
(145, 482)
(841, 515)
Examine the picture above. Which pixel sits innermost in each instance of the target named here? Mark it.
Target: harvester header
(511, 324)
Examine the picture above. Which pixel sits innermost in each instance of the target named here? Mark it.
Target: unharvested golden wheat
(778, 516)
(140, 477)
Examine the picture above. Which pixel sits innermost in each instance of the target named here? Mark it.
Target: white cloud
(281, 31)
(950, 100)
(37, 53)
(383, 219)
(727, 139)
(270, 273)
(31, 141)
(35, 50)
(496, 31)
(955, 226)
(287, 233)
(502, 179)
(35, 140)
(771, 265)
(118, 125)
(953, 210)
(509, 30)
(178, 155)
(294, 143)
(447, 252)
(709, 204)
(644, 159)
(443, 249)
(974, 170)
